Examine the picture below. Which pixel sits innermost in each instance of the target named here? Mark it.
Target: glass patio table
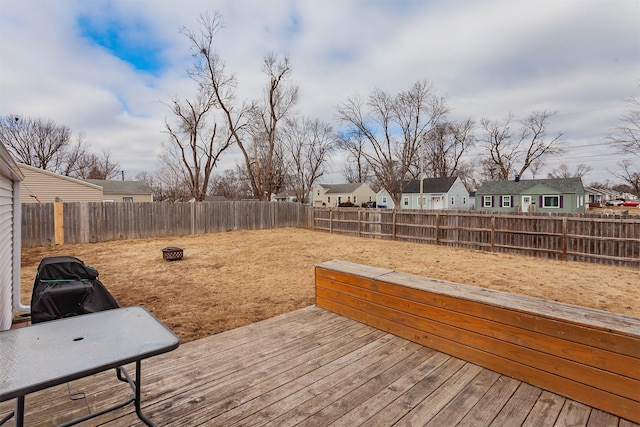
(46, 354)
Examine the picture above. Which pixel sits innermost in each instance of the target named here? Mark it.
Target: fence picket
(588, 238)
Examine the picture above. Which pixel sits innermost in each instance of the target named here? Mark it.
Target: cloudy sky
(106, 68)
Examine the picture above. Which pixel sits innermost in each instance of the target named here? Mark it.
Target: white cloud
(580, 58)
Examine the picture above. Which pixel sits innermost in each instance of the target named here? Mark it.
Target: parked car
(635, 203)
(614, 202)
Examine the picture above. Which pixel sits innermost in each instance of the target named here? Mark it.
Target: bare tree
(563, 171)
(229, 185)
(626, 136)
(37, 142)
(509, 152)
(170, 180)
(94, 166)
(444, 146)
(356, 168)
(629, 174)
(392, 127)
(258, 144)
(263, 153)
(308, 144)
(199, 144)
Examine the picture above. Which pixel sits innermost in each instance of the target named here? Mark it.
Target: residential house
(332, 195)
(11, 178)
(532, 195)
(285, 196)
(600, 195)
(437, 193)
(124, 191)
(42, 186)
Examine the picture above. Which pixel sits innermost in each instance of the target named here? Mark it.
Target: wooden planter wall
(587, 355)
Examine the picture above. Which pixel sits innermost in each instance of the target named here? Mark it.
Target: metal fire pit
(172, 254)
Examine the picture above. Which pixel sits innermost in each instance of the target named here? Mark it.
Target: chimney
(517, 178)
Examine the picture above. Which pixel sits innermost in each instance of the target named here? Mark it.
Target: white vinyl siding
(46, 186)
(6, 251)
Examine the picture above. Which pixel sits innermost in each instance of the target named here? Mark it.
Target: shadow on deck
(314, 367)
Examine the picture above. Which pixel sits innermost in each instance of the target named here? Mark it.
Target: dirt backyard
(231, 279)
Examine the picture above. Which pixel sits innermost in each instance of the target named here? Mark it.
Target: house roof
(6, 161)
(341, 188)
(121, 187)
(430, 185)
(562, 185)
(58, 176)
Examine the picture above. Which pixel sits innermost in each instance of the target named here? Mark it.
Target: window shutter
(561, 201)
(493, 201)
(512, 201)
(540, 204)
(482, 201)
(500, 201)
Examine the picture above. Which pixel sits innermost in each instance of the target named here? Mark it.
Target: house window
(422, 202)
(339, 199)
(328, 199)
(405, 201)
(384, 200)
(464, 200)
(550, 201)
(354, 200)
(127, 199)
(488, 201)
(453, 200)
(506, 201)
(318, 192)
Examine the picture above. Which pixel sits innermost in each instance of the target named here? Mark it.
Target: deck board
(312, 367)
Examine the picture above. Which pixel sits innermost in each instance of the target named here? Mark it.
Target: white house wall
(456, 198)
(6, 251)
(460, 196)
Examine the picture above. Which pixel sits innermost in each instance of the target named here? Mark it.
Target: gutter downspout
(17, 246)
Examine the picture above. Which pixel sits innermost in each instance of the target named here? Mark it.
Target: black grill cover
(65, 287)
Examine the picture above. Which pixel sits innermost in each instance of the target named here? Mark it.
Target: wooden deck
(312, 367)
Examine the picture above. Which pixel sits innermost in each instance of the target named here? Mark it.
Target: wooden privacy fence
(596, 239)
(88, 222)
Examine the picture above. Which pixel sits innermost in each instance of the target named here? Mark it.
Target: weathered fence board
(101, 222)
(596, 239)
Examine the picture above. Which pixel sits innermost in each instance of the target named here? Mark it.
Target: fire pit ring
(172, 253)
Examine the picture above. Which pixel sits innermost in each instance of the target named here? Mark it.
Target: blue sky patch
(130, 39)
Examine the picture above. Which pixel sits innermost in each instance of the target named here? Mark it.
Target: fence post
(564, 238)
(193, 218)
(493, 233)
(393, 226)
(437, 228)
(58, 222)
(330, 220)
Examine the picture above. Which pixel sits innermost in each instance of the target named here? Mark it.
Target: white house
(332, 195)
(437, 193)
(10, 188)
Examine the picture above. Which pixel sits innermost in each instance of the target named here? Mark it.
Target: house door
(526, 202)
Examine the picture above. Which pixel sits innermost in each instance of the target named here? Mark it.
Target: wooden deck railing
(588, 355)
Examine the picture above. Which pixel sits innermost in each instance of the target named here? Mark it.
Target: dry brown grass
(228, 280)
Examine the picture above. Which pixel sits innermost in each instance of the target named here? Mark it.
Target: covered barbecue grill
(65, 286)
